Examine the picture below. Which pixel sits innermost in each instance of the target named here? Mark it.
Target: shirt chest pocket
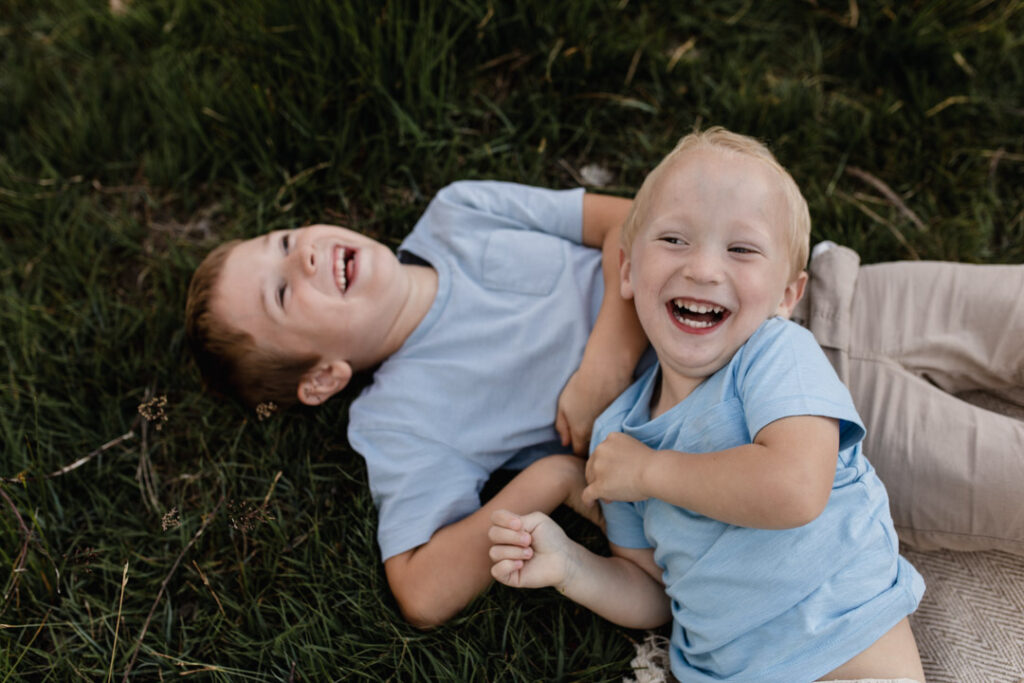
(523, 262)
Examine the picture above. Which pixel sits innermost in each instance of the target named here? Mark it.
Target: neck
(420, 293)
(669, 393)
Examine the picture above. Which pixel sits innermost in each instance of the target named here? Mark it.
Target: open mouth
(344, 268)
(697, 315)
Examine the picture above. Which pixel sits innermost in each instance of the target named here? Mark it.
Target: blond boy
(737, 500)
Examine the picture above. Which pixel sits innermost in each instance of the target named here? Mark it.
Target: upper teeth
(340, 277)
(697, 307)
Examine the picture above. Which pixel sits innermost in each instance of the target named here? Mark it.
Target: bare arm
(532, 551)
(434, 581)
(782, 480)
(617, 340)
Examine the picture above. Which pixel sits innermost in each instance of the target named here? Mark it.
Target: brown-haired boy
(473, 330)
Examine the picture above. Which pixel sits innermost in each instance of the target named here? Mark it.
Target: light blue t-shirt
(756, 604)
(475, 387)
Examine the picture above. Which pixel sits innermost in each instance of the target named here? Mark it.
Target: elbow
(424, 591)
(649, 623)
(803, 516)
(421, 612)
(797, 496)
(655, 614)
(421, 602)
(799, 509)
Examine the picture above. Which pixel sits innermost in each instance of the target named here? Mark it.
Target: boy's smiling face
(319, 290)
(710, 262)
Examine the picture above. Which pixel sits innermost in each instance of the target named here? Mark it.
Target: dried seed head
(171, 520)
(153, 411)
(265, 410)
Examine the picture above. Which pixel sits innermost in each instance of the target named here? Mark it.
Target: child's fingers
(500, 535)
(509, 520)
(499, 553)
(507, 572)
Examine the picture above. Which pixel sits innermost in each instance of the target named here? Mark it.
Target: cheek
(765, 290)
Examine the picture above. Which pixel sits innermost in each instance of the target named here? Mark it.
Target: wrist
(569, 570)
(650, 474)
(614, 366)
(562, 473)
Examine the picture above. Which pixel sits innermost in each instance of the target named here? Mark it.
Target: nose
(703, 267)
(304, 256)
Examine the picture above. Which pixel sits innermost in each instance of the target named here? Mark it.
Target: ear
(625, 284)
(793, 293)
(324, 381)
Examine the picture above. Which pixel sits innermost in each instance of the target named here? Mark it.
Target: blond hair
(798, 224)
(229, 359)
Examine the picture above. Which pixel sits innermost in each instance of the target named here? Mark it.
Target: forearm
(617, 340)
(616, 589)
(782, 480)
(617, 336)
(434, 581)
(744, 486)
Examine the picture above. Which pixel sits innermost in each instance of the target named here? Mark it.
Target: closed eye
(743, 250)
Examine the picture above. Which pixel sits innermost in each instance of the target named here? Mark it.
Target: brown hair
(798, 228)
(229, 359)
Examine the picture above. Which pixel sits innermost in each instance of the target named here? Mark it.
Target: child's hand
(615, 470)
(585, 395)
(528, 551)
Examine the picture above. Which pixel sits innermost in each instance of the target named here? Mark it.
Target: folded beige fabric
(932, 355)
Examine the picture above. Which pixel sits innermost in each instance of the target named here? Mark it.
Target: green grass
(133, 143)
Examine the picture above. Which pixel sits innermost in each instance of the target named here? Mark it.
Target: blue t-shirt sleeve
(522, 207)
(624, 524)
(782, 372)
(418, 485)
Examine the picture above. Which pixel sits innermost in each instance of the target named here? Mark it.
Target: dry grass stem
(946, 103)
(163, 586)
(206, 582)
(875, 217)
(28, 645)
(633, 63)
(153, 410)
(117, 625)
(273, 485)
(678, 53)
(130, 434)
(888, 193)
(19, 562)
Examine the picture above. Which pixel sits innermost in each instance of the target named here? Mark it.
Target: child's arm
(437, 579)
(617, 340)
(532, 551)
(780, 481)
